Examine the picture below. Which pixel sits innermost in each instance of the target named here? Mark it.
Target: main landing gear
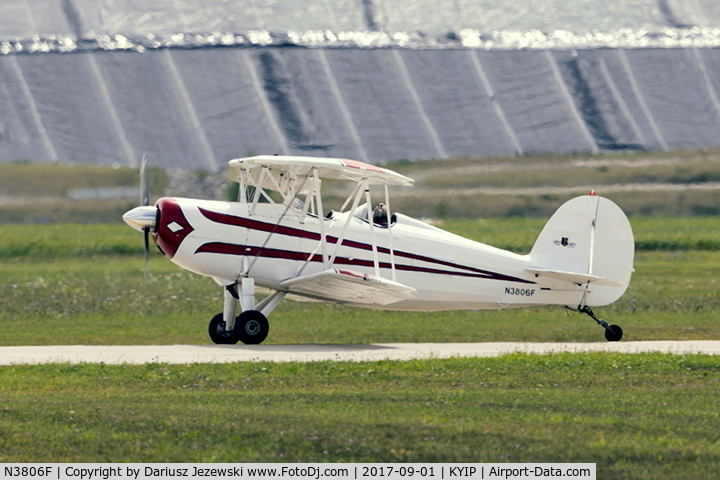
(251, 327)
(613, 333)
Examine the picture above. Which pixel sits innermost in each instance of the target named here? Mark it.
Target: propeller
(142, 218)
(145, 201)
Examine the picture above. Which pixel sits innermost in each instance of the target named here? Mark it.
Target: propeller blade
(146, 236)
(144, 187)
(143, 217)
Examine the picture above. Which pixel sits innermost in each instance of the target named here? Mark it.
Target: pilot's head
(380, 214)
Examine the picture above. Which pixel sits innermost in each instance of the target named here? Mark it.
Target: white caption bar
(271, 471)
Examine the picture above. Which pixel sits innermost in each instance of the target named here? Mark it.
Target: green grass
(31, 242)
(105, 300)
(38, 193)
(636, 416)
(688, 171)
(444, 188)
(53, 180)
(451, 204)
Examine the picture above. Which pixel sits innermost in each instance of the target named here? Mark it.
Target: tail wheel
(613, 333)
(219, 335)
(252, 327)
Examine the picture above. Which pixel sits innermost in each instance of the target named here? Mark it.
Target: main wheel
(614, 333)
(252, 327)
(218, 334)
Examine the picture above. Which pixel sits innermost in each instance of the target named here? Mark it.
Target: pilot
(380, 216)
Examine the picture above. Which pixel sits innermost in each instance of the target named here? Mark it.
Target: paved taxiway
(136, 354)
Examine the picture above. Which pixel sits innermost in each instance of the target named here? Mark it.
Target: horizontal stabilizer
(577, 278)
(347, 286)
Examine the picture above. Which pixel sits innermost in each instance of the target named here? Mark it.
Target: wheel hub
(252, 327)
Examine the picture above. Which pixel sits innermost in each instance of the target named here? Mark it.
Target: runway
(182, 354)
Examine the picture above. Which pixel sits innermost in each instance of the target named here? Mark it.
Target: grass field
(41, 193)
(105, 300)
(663, 184)
(28, 242)
(453, 188)
(636, 416)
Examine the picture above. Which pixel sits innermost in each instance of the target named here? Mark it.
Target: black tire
(218, 334)
(614, 333)
(252, 327)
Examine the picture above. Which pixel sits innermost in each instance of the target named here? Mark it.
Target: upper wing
(334, 168)
(347, 286)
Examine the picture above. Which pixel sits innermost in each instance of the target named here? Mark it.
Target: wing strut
(373, 241)
(357, 193)
(318, 201)
(390, 237)
(275, 227)
(242, 186)
(258, 189)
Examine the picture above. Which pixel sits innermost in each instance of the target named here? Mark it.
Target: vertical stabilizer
(589, 242)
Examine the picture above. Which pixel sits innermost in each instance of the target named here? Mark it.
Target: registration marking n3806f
(523, 292)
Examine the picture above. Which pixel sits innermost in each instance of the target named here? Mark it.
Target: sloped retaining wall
(198, 108)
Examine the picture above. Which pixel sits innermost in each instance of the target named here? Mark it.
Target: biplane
(278, 236)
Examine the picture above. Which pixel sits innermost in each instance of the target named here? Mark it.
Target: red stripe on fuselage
(226, 219)
(234, 249)
(234, 220)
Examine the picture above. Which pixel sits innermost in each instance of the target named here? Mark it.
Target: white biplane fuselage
(582, 258)
(448, 272)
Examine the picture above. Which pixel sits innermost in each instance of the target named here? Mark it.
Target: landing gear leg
(229, 307)
(251, 326)
(613, 333)
(222, 326)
